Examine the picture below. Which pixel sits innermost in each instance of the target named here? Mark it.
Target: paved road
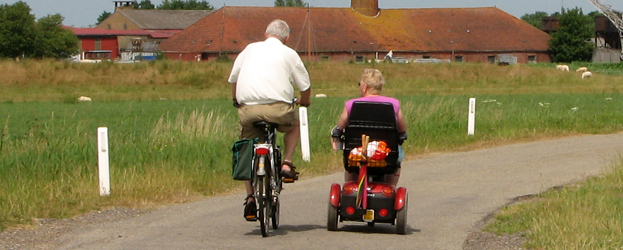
(448, 195)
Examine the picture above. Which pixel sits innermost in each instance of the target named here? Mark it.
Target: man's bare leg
(249, 188)
(290, 139)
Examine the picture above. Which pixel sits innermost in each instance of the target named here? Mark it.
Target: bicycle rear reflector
(261, 151)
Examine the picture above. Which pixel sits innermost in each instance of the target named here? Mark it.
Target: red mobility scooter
(370, 199)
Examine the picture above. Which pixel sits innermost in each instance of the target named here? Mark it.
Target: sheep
(582, 69)
(586, 74)
(562, 67)
(84, 99)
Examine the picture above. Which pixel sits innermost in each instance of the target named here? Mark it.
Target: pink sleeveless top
(376, 98)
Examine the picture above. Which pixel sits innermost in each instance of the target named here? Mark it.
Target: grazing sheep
(84, 99)
(562, 67)
(582, 69)
(586, 74)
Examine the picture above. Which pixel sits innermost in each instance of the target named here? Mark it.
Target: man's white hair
(278, 28)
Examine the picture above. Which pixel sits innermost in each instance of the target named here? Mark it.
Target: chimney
(365, 7)
(124, 4)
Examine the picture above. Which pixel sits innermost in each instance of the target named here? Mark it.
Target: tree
(102, 17)
(54, 41)
(570, 42)
(290, 3)
(17, 30)
(594, 14)
(184, 5)
(535, 19)
(144, 5)
(21, 36)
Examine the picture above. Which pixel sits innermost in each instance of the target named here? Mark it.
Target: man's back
(264, 71)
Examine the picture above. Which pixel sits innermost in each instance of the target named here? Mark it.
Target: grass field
(171, 124)
(586, 215)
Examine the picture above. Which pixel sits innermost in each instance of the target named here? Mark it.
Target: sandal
(250, 209)
(289, 176)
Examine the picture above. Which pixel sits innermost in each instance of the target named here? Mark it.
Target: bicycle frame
(274, 153)
(266, 180)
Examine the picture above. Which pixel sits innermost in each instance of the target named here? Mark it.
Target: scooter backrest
(376, 120)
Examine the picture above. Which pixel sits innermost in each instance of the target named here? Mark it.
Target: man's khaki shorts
(281, 113)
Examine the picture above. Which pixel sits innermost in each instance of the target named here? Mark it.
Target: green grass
(178, 150)
(49, 155)
(587, 215)
(171, 126)
(38, 81)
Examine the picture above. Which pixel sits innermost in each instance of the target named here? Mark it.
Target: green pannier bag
(242, 161)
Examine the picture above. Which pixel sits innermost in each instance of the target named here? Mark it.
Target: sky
(84, 13)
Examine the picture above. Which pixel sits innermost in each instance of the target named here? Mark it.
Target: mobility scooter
(370, 199)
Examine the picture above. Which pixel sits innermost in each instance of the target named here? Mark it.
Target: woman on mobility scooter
(369, 193)
(370, 87)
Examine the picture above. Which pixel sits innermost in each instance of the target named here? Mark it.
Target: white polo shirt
(266, 71)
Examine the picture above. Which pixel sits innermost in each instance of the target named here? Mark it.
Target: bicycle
(266, 179)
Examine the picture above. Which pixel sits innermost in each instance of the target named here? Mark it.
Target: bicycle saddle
(261, 124)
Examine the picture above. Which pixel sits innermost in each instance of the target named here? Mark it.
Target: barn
(130, 34)
(364, 33)
(103, 44)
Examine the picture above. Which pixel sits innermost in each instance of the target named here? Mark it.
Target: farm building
(130, 34)
(364, 32)
(100, 44)
(607, 39)
(126, 17)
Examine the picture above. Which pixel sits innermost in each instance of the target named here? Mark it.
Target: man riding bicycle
(263, 79)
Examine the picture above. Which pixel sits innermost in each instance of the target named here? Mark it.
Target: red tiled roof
(163, 34)
(230, 29)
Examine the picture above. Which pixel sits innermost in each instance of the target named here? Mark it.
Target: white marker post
(304, 134)
(471, 118)
(102, 154)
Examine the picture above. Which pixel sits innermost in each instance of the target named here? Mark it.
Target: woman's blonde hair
(374, 79)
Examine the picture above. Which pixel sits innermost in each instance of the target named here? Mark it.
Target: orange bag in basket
(377, 151)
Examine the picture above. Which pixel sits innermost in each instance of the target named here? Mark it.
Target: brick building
(130, 34)
(364, 32)
(101, 44)
(128, 18)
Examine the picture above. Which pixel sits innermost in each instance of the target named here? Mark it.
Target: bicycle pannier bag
(242, 160)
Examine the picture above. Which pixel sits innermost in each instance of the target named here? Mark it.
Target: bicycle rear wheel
(263, 206)
(275, 213)
(276, 178)
(268, 202)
